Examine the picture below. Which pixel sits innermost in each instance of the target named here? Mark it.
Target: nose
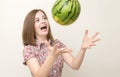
(43, 22)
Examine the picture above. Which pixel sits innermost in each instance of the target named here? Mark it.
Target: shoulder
(28, 53)
(28, 48)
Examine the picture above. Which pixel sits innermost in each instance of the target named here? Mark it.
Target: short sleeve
(28, 53)
(59, 43)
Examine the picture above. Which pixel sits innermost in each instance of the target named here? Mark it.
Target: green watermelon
(65, 12)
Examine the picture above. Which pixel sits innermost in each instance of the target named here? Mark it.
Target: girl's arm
(88, 42)
(43, 70)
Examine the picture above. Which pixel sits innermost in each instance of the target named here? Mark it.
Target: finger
(92, 45)
(95, 35)
(95, 40)
(60, 51)
(69, 50)
(86, 33)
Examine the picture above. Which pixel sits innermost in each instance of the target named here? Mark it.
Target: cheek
(48, 28)
(36, 26)
(37, 29)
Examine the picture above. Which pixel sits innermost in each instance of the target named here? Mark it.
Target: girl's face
(41, 25)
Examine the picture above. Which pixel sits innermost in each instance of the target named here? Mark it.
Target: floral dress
(40, 52)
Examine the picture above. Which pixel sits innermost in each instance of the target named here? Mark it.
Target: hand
(88, 42)
(54, 51)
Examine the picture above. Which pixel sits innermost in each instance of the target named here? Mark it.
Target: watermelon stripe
(73, 10)
(57, 3)
(56, 7)
(59, 11)
(68, 13)
(77, 10)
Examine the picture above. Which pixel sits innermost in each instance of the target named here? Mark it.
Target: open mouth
(43, 27)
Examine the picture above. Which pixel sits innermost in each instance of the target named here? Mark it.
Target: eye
(37, 20)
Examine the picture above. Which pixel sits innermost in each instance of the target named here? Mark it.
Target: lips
(43, 27)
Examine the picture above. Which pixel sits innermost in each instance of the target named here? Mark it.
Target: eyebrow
(37, 18)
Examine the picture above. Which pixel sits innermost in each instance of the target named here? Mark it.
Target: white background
(96, 15)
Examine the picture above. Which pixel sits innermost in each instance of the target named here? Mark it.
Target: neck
(41, 39)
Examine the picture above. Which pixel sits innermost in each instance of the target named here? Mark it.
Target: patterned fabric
(40, 53)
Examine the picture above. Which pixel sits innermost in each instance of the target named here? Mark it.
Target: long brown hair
(28, 33)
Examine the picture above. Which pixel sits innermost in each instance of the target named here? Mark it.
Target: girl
(42, 54)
